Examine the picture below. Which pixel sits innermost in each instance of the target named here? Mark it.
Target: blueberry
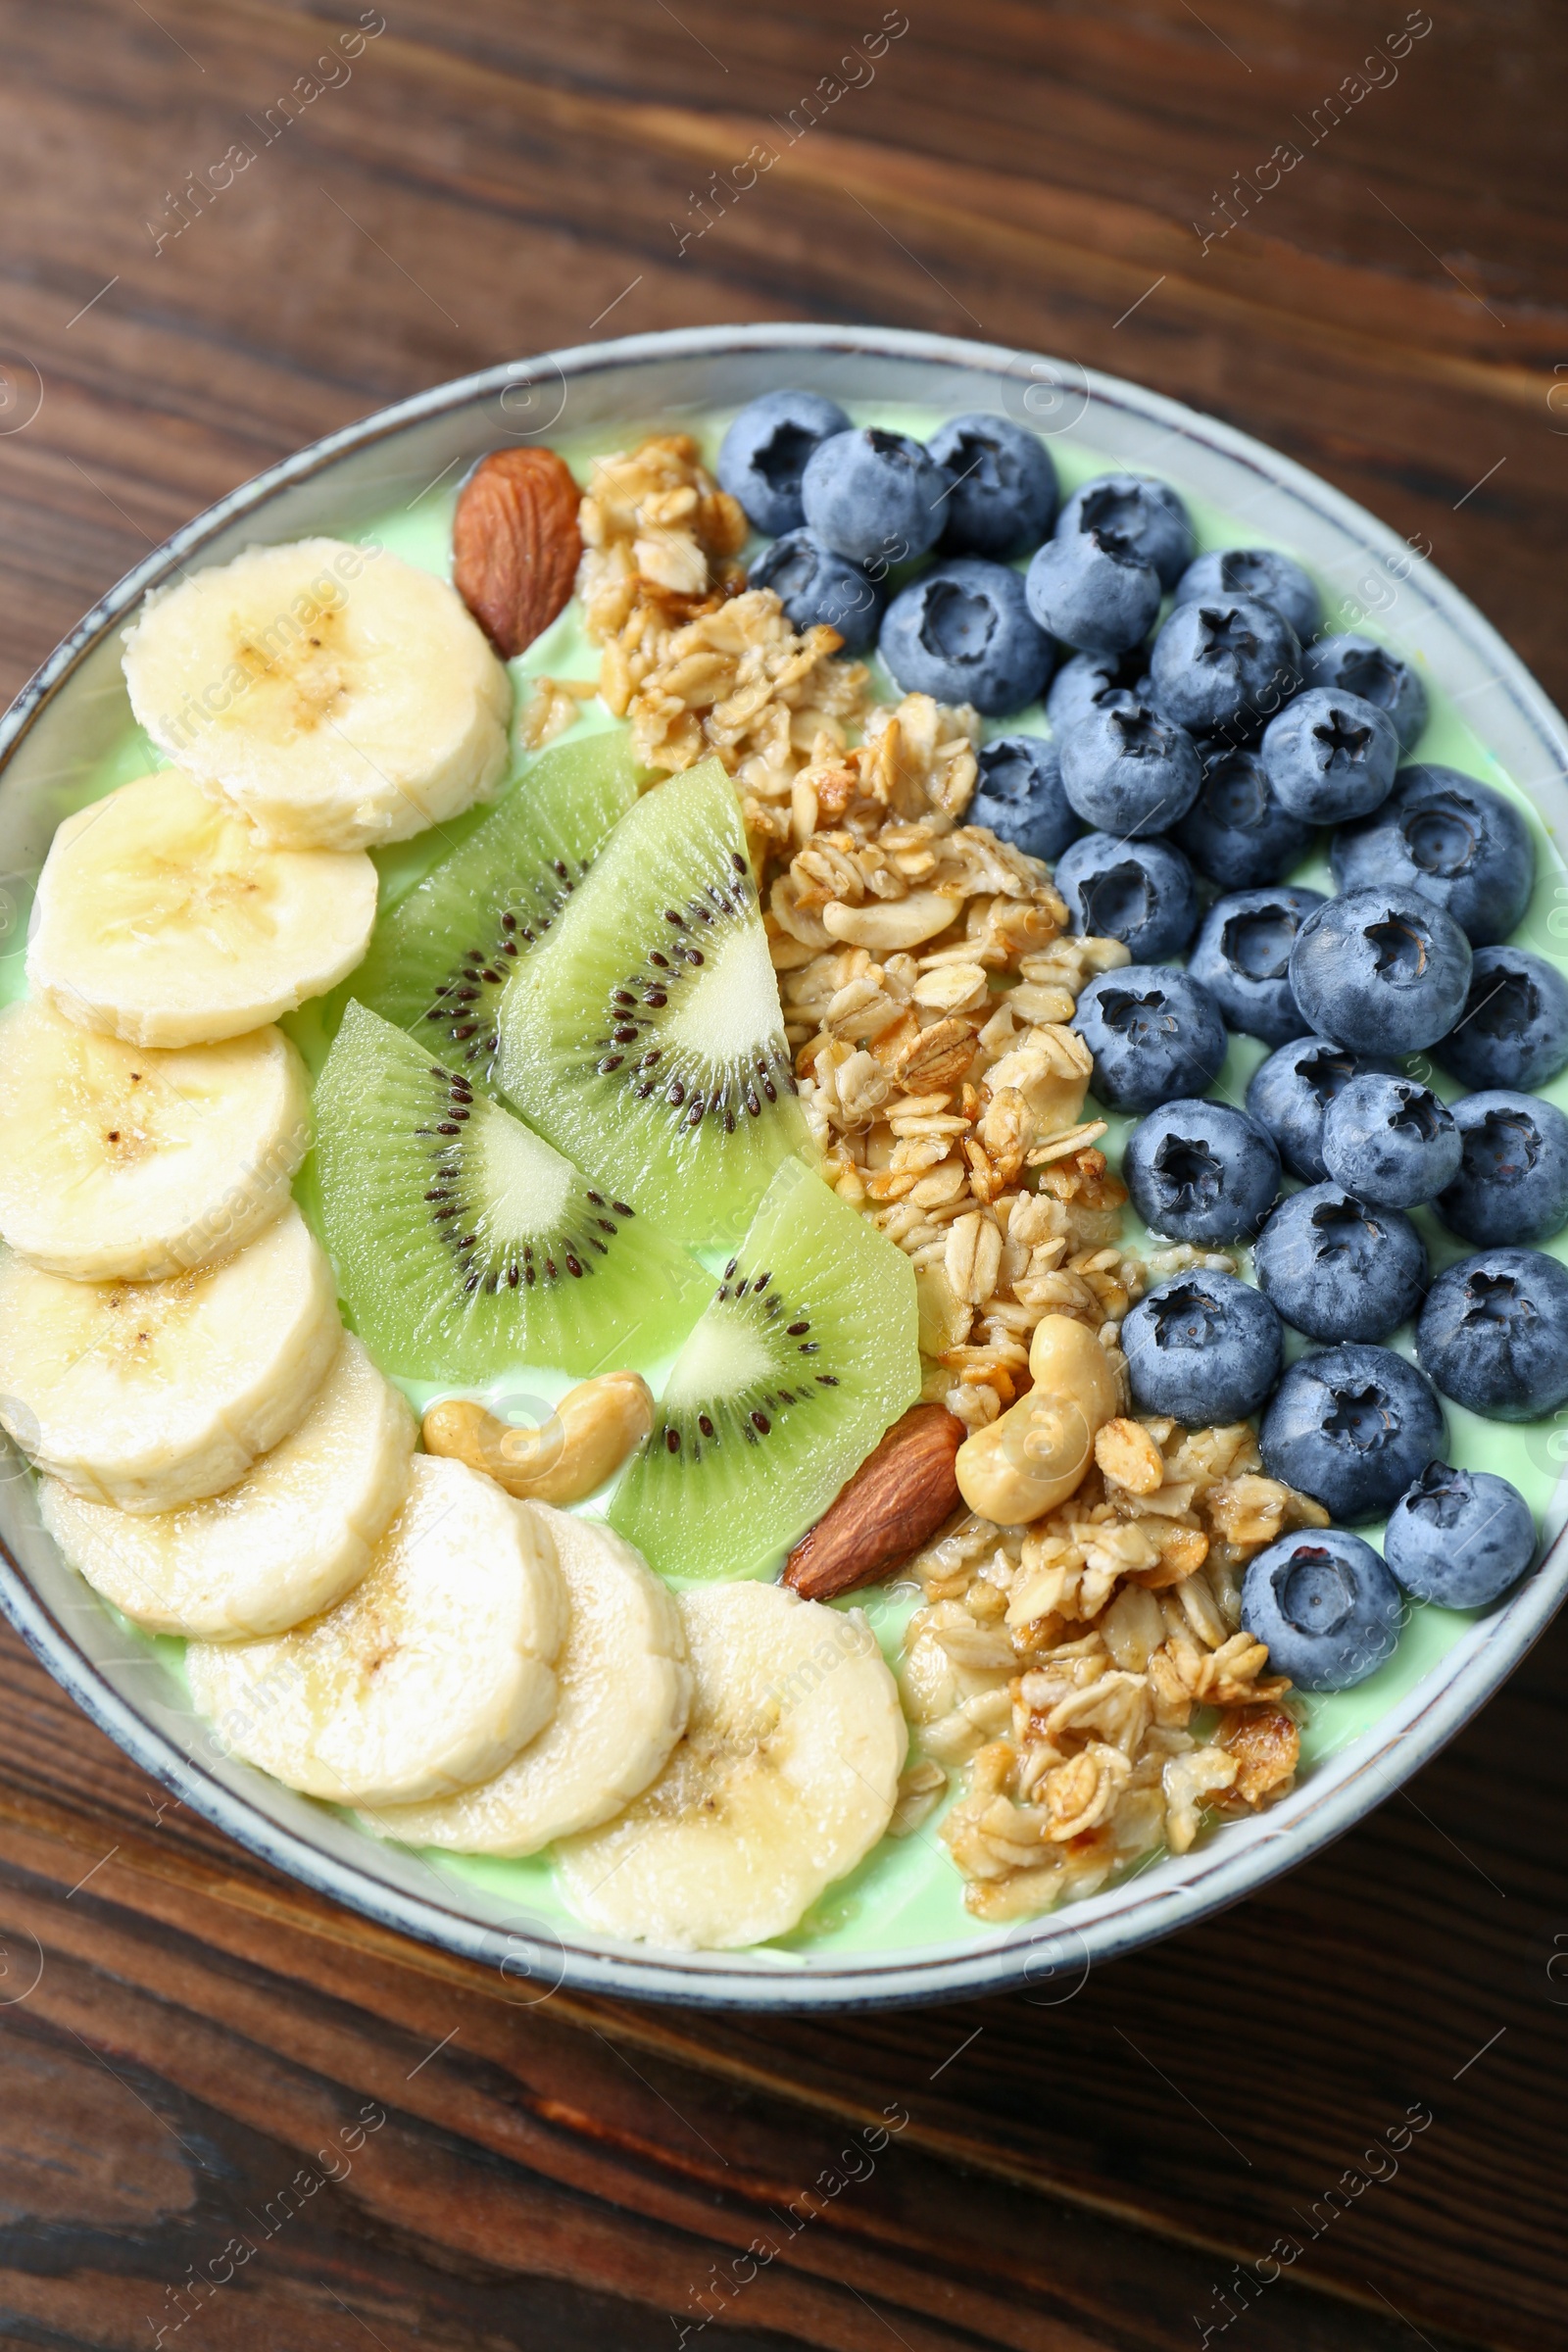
(1128, 770)
(1352, 665)
(1351, 1427)
(1224, 663)
(1203, 1346)
(1340, 1269)
(1093, 681)
(1154, 1035)
(1089, 589)
(1019, 795)
(1147, 515)
(876, 497)
(1242, 957)
(1330, 756)
(1140, 891)
(1289, 1093)
(764, 454)
(1202, 1173)
(962, 632)
(1455, 840)
(1325, 1605)
(1382, 971)
(1494, 1334)
(1512, 1184)
(1390, 1139)
(814, 584)
(1513, 1028)
(1003, 491)
(1235, 832)
(1459, 1537)
(1264, 574)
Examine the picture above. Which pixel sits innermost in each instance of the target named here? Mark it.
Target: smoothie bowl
(783, 1173)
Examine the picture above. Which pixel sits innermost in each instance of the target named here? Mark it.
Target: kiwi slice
(463, 1242)
(439, 959)
(806, 1354)
(644, 1036)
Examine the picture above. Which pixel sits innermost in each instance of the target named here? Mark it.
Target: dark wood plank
(1074, 2177)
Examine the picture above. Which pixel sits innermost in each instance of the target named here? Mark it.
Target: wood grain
(1083, 2167)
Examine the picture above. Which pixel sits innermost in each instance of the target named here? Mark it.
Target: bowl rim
(1212, 1876)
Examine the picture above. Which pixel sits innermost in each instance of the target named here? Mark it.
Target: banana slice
(126, 1163)
(290, 1540)
(625, 1688)
(429, 1676)
(786, 1778)
(151, 1394)
(161, 918)
(335, 694)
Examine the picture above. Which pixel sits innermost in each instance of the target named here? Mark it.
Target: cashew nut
(590, 1434)
(1036, 1453)
(886, 924)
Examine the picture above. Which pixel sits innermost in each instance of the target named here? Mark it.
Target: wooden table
(186, 2035)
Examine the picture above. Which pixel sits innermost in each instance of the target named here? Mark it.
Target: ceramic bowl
(75, 710)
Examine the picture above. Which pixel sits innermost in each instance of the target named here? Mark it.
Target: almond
(515, 545)
(895, 1502)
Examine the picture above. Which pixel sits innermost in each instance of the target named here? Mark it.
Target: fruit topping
(1457, 841)
(1353, 1426)
(819, 588)
(1351, 664)
(1326, 1605)
(805, 1355)
(126, 1163)
(1203, 1347)
(785, 1780)
(1126, 770)
(287, 1541)
(644, 1036)
(963, 632)
(1224, 664)
(1382, 971)
(622, 1695)
(1004, 487)
(1202, 1173)
(1145, 516)
(463, 1242)
(1140, 891)
(1290, 1095)
(1340, 1269)
(1330, 756)
(874, 496)
(1019, 798)
(1235, 832)
(1261, 573)
(1389, 1141)
(1512, 1181)
(335, 695)
(1154, 1035)
(1093, 682)
(1512, 1030)
(439, 959)
(1242, 957)
(1088, 588)
(161, 920)
(764, 454)
(428, 1677)
(152, 1394)
(515, 545)
(1494, 1334)
(1459, 1538)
